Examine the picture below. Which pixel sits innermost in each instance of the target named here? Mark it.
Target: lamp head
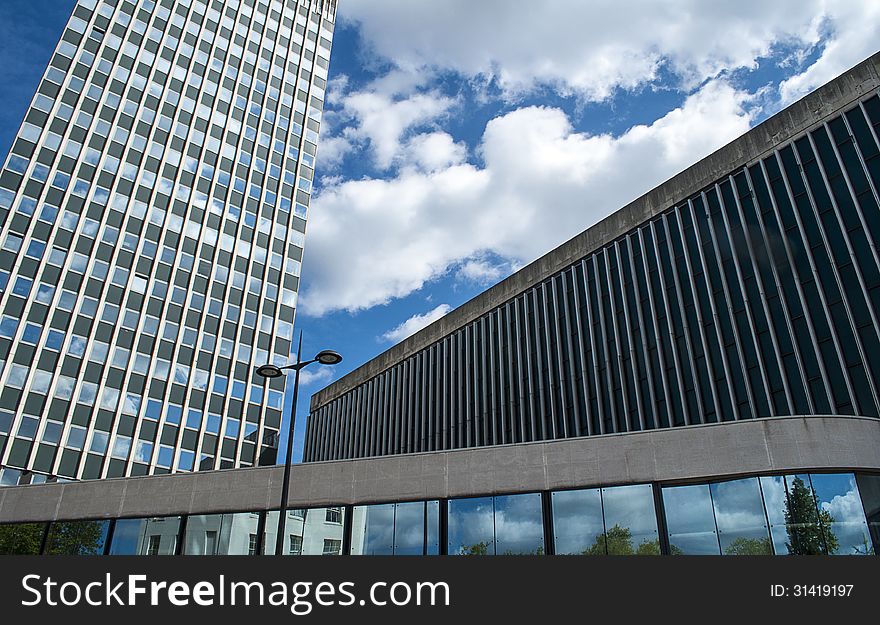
(328, 357)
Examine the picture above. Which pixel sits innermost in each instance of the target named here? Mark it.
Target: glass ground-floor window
(797, 514)
(500, 525)
(307, 531)
(618, 520)
(408, 528)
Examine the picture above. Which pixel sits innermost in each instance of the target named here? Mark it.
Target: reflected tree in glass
(77, 538)
(630, 522)
(809, 530)
(21, 538)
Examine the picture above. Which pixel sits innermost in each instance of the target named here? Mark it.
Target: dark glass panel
(77, 538)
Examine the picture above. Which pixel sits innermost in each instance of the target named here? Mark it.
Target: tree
(76, 538)
(479, 549)
(21, 538)
(743, 546)
(809, 531)
(617, 541)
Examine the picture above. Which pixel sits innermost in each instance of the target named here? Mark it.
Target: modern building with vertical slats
(747, 286)
(152, 219)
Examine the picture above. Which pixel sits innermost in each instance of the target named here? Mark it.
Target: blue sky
(462, 140)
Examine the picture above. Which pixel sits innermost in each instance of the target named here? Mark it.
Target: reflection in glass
(396, 529)
(791, 510)
(471, 527)
(77, 538)
(21, 538)
(372, 532)
(630, 521)
(519, 525)
(690, 520)
(739, 517)
(409, 529)
(221, 534)
(310, 532)
(155, 536)
(577, 521)
(841, 515)
(869, 489)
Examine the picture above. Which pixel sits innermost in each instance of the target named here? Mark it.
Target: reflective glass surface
(222, 534)
(313, 531)
(156, 536)
(690, 520)
(578, 526)
(77, 538)
(630, 521)
(739, 516)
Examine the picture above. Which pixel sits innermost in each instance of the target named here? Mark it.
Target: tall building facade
(153, 210)
(745, 288)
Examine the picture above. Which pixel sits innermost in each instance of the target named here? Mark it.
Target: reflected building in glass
(695, 375)
(152, 216)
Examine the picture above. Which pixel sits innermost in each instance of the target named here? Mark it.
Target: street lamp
(325, 357)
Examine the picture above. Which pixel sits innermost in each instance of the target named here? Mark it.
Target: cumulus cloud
(592, 48)
(540, 183)
(415, 323)
(854, 36)
(315, 375)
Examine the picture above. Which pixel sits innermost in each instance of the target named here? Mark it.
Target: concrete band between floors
(693, 453)
(757, 142)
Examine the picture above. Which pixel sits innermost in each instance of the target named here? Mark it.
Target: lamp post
(325, 357)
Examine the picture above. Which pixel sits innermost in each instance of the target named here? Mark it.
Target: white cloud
(541, 183)
(315, 375)
(484, 270)
(433, 150)
(415, 323)
(592, 48)
(854, 36)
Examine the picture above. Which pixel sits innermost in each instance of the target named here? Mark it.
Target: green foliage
(617, 541)
(21, 538)
(479, 549)
(79, 538)
(809, 531)
(743, 546)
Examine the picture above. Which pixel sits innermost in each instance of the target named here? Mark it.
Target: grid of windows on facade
(757, 297)
(152, 215)
(797, 514)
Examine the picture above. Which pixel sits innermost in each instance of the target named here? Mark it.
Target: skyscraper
(153, 211)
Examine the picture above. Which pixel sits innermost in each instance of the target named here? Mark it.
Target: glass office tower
(153, 212)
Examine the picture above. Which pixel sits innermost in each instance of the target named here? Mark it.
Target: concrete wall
(782, 127)
(775, 445)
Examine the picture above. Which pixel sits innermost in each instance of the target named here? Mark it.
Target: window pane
(154, 536)
(519, 525)
(77, 538)
(373, 530)
(869, 488)
(21, 538)
(739, 516)
(577, 522)
(471, 527)
(221, 534)
(791, 509)
(690, 521)
(316, 531)
(409, 529)
(841, 514)
(630, 520)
